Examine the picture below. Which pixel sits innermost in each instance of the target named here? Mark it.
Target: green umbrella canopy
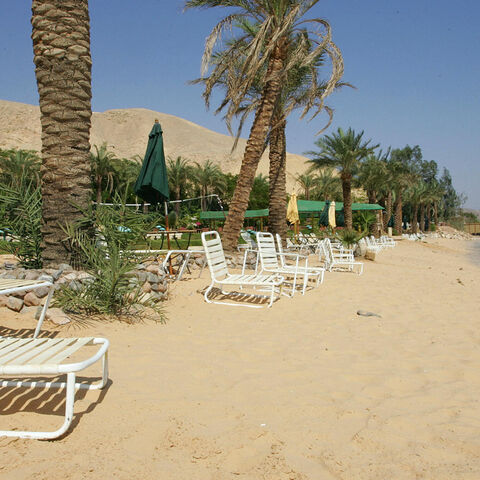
(152, 183)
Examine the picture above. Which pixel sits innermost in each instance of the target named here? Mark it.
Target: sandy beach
(305, 390)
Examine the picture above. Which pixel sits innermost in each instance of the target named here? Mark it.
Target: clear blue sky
(415, 64)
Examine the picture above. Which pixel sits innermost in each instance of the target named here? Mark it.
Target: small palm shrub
(363, 220)
(348, 238)
(21, 213)
(109, 258)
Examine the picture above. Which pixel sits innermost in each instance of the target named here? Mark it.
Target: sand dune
(306, 390)
(126, 133)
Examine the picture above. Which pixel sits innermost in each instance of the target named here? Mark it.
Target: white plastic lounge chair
(283, 260)
(269, 263)
(339, 260)
(221, 277)
(387, 241)
(26, 357)
(8, 286)
(372, 244)
(249, 242)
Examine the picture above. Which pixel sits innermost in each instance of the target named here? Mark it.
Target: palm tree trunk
(422, 217)
(254, 150)
(277, 201)
(99, 190)
(388, 210)
(347, 200)
(415, 219)
(398, 219)
(61, 46)
(372, 196)
(429, 215)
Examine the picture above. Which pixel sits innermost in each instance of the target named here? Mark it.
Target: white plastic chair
(339, 260)
(269, 262)
(24, 357)
(220, 275)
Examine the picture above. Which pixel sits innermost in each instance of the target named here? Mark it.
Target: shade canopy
(152, 183)
(222, 215)
(314, 208)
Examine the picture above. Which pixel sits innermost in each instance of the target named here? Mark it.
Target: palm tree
(371, 175)
(308, 182)
(19, 165)
(403, 165)
(102, 169)
(61, 47)
(209, 179)
(344, 151)
(265, 55)
(328, 185)
(416, 195)
(180, 174)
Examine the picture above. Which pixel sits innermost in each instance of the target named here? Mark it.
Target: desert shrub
(109, 258)
(348, 238)
(21, 206)
(363, 220)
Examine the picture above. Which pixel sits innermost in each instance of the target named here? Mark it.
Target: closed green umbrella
(152, 183)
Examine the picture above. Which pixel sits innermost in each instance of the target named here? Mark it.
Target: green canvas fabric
(152, 183)
(221, 215)
(314, 206)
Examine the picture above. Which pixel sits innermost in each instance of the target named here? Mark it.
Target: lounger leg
(69, 400)
(44, 312)
(207, 291)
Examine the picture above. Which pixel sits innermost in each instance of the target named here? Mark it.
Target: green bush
(348, 238)
(364, 220)
(109, 258)
(21, 206)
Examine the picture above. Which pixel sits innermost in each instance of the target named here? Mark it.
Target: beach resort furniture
(283, 261)
(386, 241)
(9, 286)
(372, 244)
(220, 275)
(292, 244)
(269, 263)
(46, 357)
(340, 261)
(49, 357)
(249, 241)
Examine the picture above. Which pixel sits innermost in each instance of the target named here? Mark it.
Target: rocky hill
(126, 133)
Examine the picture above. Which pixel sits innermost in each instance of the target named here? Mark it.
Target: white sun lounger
(270, 264)
(26, 357)
(220, 276)
(339, 260)
(8, 286)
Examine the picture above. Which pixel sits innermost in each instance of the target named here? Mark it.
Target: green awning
(314, 206)
(209, 215)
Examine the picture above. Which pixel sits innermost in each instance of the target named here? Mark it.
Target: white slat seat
(49, 356)
(220, 275)
(274, 262)
(338, 260)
